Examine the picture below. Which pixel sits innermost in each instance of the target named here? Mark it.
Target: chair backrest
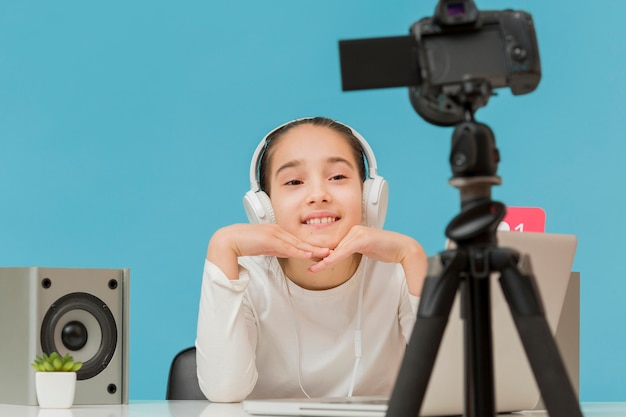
(182, 382)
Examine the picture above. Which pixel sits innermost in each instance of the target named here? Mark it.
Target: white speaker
(83, 312)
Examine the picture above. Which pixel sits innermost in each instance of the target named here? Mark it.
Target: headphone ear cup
(258, 207)
(375, 201)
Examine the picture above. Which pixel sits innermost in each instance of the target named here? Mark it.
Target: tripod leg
(479, 379)
(520, 290)
(440, 288)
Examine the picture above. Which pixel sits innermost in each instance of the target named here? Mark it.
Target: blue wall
(127, 128)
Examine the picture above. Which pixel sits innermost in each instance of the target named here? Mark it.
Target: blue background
(127, 129)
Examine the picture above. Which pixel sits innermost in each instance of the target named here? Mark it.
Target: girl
(310, 302)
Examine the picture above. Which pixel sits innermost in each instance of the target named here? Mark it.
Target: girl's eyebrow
(287, 165)
(339, 159)
(298, 162)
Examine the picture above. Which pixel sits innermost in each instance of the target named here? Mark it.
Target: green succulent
(55, 363)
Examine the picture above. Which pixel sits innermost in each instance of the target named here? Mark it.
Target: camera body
(464, 53)
(451, 61)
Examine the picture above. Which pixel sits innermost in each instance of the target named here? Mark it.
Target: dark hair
(340, 128)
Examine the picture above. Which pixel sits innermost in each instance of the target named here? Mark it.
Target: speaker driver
(80, 324)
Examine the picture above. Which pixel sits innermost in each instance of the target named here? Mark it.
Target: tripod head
(474, 160)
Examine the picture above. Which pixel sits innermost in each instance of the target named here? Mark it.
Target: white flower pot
(55, 389)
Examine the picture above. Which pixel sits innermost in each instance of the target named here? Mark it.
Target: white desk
(206, 409)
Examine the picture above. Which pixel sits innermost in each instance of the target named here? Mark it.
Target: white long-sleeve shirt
(262, 336)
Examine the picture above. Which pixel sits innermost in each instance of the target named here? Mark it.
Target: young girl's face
(316, 191)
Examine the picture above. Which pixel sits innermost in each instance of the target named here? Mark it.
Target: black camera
(451, 61)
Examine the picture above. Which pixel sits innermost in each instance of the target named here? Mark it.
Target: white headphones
(375, 189)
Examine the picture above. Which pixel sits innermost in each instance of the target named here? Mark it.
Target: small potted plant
(55, 380)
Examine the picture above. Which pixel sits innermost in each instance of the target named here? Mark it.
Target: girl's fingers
(291, 246)
(333, 257)
(376, 244)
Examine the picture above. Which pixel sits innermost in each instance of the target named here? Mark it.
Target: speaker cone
(80, 324)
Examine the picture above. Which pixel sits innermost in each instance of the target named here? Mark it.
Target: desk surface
(206, 409)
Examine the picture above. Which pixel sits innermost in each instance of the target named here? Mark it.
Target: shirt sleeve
(408, 313)
(415, 301)
(226, 337)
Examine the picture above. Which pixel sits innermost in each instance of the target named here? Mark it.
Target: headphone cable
(357, 334)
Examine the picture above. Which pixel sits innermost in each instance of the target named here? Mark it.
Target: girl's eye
(293, 182)
(338, 177)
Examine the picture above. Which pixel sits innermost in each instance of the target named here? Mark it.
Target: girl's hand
(385, 246)
(231, 242)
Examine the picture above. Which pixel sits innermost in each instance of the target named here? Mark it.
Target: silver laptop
(552, 256)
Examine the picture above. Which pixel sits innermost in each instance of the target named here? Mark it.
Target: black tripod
(473, 159)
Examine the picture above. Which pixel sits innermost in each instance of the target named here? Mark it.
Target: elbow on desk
(224, 392)
(226, 387)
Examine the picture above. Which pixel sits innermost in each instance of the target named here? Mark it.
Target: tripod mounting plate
(476, 221)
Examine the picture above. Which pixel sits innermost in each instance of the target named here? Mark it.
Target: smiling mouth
(321, 220)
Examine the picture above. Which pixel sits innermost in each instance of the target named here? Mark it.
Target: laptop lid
(552, 256)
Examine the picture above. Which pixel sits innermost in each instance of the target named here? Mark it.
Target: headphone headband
(255, 185)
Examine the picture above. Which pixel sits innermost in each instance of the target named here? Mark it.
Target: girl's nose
(318, 193)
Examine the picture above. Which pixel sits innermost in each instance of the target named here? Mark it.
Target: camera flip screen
(378, 63)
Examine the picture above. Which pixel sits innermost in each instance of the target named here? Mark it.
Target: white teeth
(321, 220)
